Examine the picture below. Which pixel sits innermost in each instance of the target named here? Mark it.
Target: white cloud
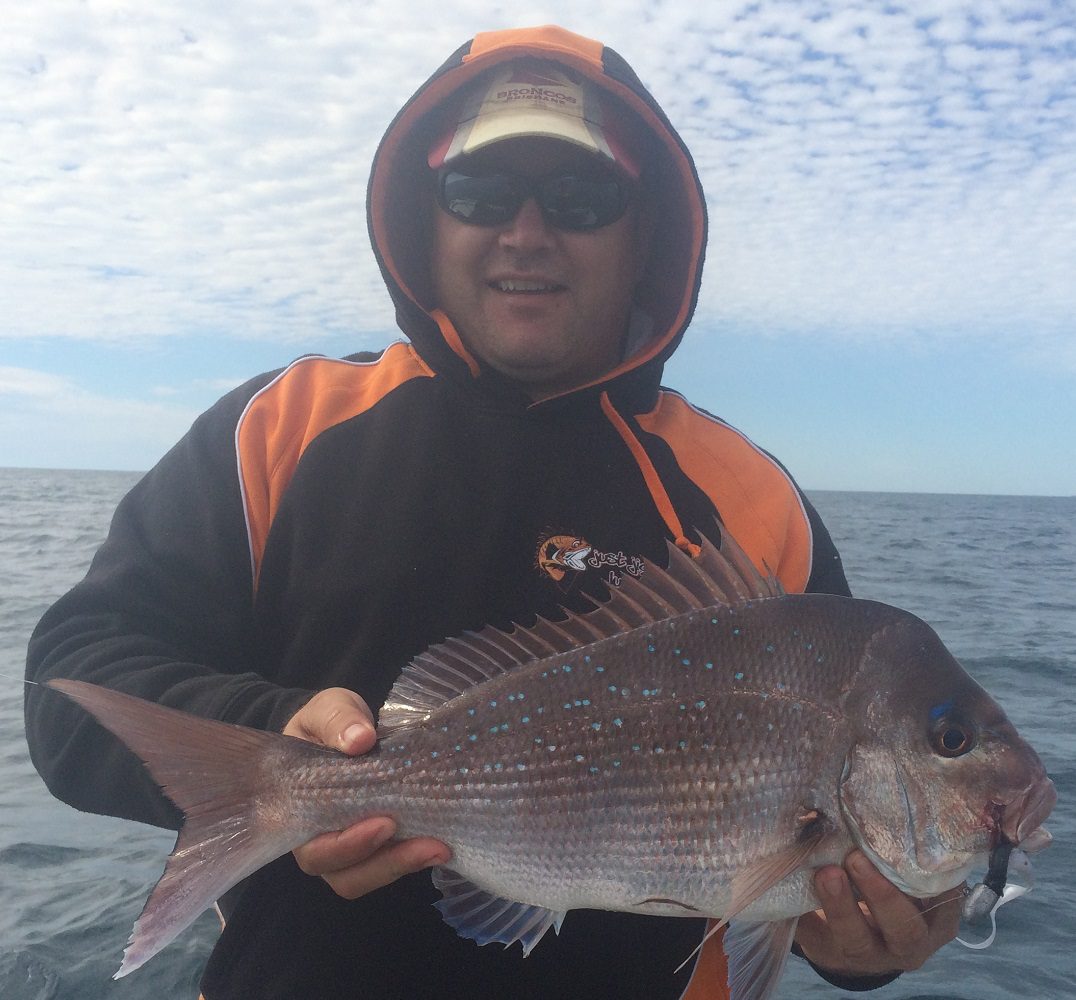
(50, 419)
(178, 168)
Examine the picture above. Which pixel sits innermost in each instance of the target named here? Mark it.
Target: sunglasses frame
(523, 189)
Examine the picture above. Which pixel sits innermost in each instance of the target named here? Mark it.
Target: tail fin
(227, 781)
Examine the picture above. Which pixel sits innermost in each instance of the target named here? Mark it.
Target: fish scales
(668, 751)
(698, 745)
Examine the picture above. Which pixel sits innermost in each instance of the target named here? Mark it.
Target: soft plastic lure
(986, 898)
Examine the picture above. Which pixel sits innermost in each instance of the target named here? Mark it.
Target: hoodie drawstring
(653, 480)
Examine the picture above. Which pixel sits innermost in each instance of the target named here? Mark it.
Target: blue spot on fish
(594, 770)
(700, 704)
(709, 666)
(596, 726)
(682, 744)
(739, 675)
(470, 711)
(493, 704)
(939, 710)
(526, 718)
(618, 722)
(579, 757)
(472, 737)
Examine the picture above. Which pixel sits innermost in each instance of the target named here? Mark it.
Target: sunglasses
(568, 200)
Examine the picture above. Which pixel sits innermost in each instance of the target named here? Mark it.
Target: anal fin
(484, 917)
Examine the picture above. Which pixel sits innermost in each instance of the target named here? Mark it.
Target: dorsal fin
(448, 669)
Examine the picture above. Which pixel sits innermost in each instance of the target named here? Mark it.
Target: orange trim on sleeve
(710, 980)
(549, 38)
(755, 497)
(281, 421)
(650, 475)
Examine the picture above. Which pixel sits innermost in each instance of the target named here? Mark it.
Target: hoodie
(323, 524)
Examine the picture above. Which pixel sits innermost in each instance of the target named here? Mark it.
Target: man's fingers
(340, 849)
(337, 718)
(849, 932)
(363, 857)
(909, 936)
(386, 865)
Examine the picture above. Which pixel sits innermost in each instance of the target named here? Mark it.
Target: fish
(695, 745)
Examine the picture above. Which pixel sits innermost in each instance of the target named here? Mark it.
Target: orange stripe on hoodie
(757, 500)
(281, 421)
(710, 980)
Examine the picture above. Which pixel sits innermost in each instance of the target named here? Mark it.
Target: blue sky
(889, 300)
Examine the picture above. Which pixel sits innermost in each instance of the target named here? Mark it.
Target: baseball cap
(535, 98)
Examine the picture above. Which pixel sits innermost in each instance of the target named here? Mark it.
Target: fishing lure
(985, 899)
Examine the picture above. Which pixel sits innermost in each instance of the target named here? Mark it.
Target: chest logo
(560, 555)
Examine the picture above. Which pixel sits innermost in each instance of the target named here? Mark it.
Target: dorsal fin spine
(689, 584)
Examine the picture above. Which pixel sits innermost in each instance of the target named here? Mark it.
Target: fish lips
(1025, 813)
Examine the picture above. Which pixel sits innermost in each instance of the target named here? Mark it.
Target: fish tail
(227, 779)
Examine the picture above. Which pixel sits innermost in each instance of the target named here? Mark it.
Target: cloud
(50, 419)
(871, 171)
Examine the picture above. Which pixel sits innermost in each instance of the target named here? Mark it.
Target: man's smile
(526, 286)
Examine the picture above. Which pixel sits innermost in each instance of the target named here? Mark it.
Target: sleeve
(827, 570)
(846, 980)
(164, 613)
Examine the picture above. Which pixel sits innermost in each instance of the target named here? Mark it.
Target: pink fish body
(696, 746)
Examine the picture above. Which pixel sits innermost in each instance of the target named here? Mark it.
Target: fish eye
(952, 738)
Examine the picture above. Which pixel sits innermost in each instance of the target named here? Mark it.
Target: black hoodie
(321, 525)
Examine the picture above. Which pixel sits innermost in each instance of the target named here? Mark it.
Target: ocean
(993, 575)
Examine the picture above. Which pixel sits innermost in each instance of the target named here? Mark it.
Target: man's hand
(363, 857)
(888, 932)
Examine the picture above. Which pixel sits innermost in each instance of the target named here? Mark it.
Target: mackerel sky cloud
(889, 297)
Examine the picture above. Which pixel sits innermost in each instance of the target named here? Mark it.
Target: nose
(528, 231)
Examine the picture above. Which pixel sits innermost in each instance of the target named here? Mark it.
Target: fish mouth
(1024, 814)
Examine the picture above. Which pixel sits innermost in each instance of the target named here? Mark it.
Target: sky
(889, 301)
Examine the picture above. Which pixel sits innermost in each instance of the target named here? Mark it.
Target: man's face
(544, 306)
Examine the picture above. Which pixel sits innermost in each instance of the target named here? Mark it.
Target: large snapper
(696, 746)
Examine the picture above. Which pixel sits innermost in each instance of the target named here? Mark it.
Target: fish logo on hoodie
(560, 554)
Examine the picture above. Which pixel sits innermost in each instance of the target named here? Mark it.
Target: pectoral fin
(757, 954)
(763, 875)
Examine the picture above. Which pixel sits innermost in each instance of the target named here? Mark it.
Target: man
(541, 229)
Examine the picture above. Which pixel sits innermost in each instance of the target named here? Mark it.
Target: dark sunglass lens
(582, 203)
(482, 201)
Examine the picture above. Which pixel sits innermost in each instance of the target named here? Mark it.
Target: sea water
(994, 575)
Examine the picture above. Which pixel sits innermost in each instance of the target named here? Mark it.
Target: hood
(399, 230)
